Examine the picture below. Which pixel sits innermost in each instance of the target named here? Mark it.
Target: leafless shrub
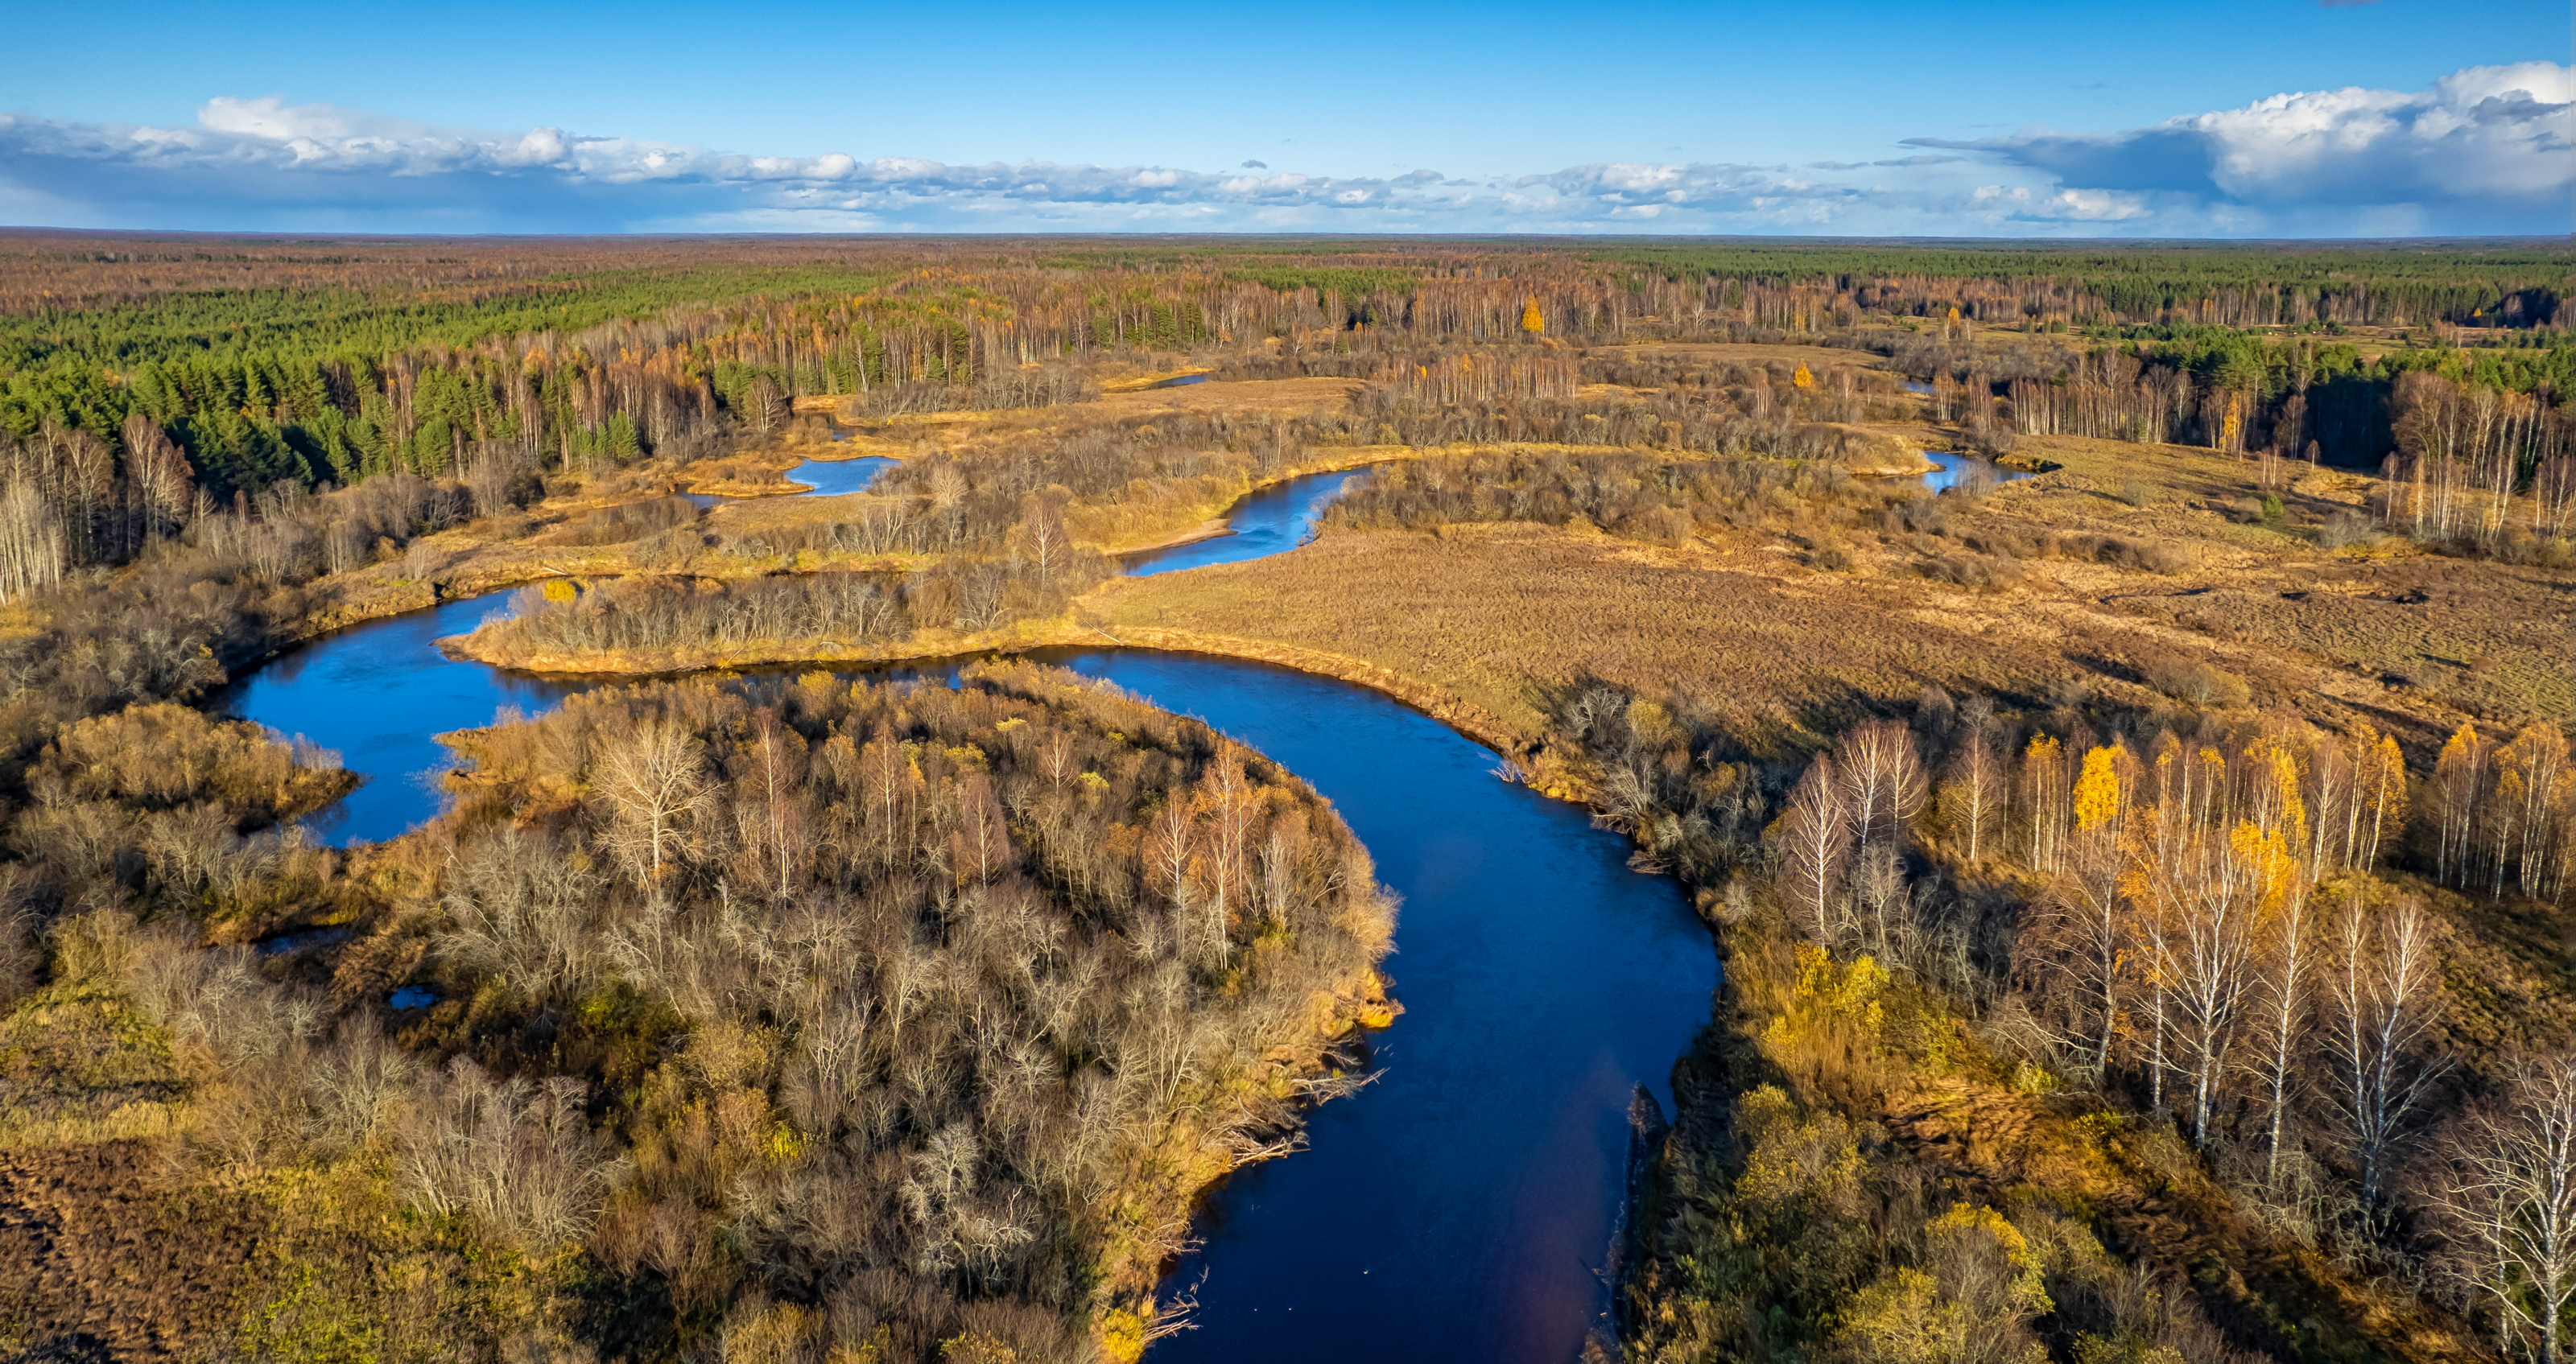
(519, 909)
(517, 1156)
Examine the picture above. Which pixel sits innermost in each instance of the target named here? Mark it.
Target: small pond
(836, 477)
(1967, 471)
(824, 477)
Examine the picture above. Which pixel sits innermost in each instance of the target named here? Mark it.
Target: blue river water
(1968, 469)
(378, 694)
(1460, 1207)
(1271, 521)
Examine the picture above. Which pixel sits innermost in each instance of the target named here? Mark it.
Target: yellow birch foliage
(2270, 869)
(2289, 810)
(1796, 1161)
(2392, 772)
(1980, 1287)
(1803, 378)
(2097, 791)
(1531, 321)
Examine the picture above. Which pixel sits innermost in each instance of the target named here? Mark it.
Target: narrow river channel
(1463, 1206)
(1272, 521)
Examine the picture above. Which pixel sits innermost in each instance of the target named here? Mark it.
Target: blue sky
(2404, 116)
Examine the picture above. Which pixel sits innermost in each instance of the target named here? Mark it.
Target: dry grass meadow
(1500, 615)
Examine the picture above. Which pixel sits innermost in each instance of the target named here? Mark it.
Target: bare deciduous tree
(2507, 1201)
(2286, 980)
(1882, 781)
(655, 781)
(2380, 982)
(1815, 843)
(1972, 798)
(518, 1156)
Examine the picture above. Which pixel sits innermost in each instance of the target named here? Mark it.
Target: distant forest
(261, 361)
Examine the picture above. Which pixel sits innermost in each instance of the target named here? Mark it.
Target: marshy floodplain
(1522, 802)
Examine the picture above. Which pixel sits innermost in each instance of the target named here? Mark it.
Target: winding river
(1462, 1207)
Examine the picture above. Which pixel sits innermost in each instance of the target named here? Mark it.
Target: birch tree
(2286, 981)
(655, 782)
(2380, 983)
(1815, 845)
(2508, 1206)
(1972, 799)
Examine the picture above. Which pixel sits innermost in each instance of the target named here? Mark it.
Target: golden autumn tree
(1803, 379)
(2097, 792)
(1531, 320)
(2460, 780)
(2087, 897)
(2383, 797)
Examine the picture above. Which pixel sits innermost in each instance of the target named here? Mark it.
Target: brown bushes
(1639, 496)
(1970, 570)
(158, 757)
(2192, 680)
(635, 623)
(970, 988)
(629, 521)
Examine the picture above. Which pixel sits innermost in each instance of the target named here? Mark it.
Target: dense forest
(2211, 943)
(273, 361)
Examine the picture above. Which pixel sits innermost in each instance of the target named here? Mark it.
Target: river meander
(1463, 1206)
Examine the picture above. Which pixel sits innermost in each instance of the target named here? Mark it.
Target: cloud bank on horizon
(2482, 151)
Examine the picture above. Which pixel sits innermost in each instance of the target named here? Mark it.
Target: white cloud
(2487, 149)
(2482, 150)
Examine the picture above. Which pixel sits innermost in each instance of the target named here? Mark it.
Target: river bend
(1463, 1206)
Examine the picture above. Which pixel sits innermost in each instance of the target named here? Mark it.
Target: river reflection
(1968, 471)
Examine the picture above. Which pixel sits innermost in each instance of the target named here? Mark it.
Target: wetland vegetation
(2142, 886)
